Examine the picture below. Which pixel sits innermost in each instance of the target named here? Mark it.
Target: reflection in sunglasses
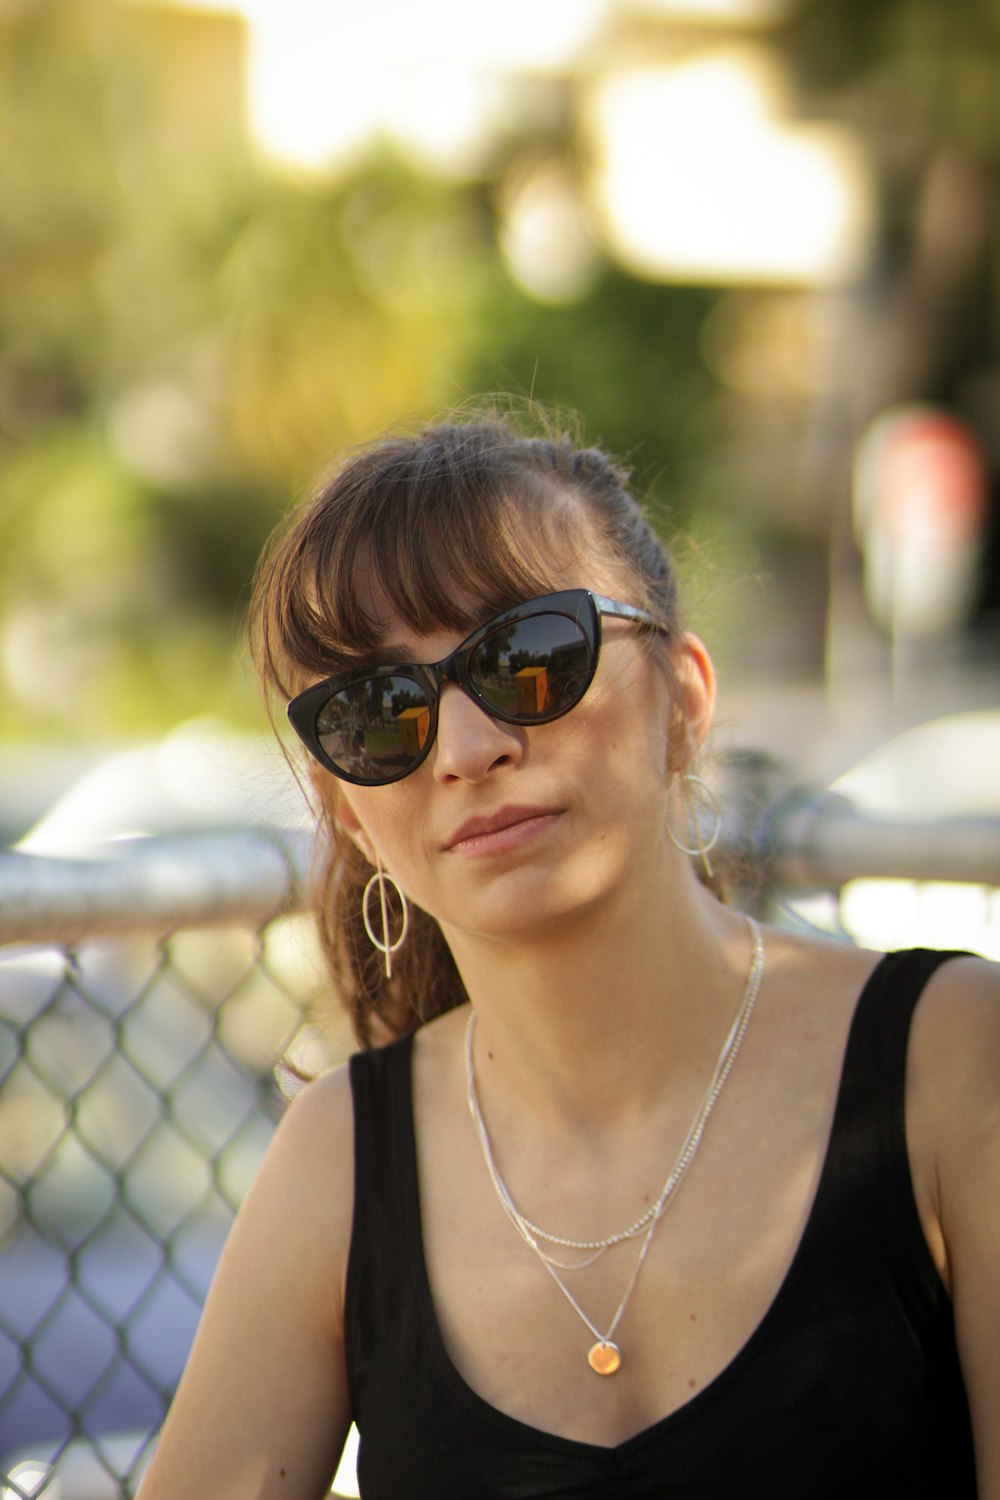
(413, 725)
(532, 690)
(528, 666)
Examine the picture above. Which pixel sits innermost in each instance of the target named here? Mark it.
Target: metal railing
(147, 999)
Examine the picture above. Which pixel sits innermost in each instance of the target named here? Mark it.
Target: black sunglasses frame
(579, 605)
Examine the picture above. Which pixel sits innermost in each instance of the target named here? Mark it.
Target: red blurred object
(921, 494)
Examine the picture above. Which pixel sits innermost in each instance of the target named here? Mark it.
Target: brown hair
(475, 500)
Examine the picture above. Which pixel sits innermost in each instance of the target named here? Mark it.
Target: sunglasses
(529, 665)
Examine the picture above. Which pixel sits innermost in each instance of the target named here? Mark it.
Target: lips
(488, 827)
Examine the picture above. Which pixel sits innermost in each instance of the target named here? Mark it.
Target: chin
(537, 903)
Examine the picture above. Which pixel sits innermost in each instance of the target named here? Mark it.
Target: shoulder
(325, 1101)
(316, 1137)
(314, 1140)
(302, 1197)
(266, 1390)
(954, 1084)
(813, 985)
(955, 1043)
(953, 1099)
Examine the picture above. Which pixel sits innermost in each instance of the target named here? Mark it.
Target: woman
(474, 1241)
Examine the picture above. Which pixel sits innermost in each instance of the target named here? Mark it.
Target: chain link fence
(142, 1071)
(155, 1008)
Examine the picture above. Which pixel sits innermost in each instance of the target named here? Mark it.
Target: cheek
(631, 713)
(387, 821)
(360, 814)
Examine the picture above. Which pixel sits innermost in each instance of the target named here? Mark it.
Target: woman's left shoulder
(953, 1098)
(956, 1028)
(953, 1118)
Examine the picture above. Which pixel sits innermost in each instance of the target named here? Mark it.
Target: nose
(470, 743)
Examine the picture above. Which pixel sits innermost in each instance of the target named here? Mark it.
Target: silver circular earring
(382, 943)
(697, 792)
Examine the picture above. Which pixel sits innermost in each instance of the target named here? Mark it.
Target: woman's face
(503, 828)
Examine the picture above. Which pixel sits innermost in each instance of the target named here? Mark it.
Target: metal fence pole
(154, 884)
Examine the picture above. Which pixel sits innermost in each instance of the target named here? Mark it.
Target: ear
(693, 699)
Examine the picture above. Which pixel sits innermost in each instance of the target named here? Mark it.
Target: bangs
(418, 529)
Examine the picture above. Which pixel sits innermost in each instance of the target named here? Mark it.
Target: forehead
(444, 590)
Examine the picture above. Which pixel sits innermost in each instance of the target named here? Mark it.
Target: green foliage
(628, 356)
(186, 338)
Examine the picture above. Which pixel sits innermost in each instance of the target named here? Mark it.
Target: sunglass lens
(535, 668)
(375, 729)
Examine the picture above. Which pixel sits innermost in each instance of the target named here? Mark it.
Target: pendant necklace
(605, 1355)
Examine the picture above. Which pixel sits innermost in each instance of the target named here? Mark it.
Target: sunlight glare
(31, 1478)
(893, 914)
(720, 12)
(326, 81)
(702, 175)
(544, 235)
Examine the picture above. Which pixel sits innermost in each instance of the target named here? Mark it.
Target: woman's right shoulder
(327, 1096)
(307, 1176)
(265, 1392)
(317, 1128)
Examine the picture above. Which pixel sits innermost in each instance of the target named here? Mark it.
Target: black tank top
(849, 1387)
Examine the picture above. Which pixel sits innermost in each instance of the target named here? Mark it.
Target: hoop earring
(383, 944)
(695, 788)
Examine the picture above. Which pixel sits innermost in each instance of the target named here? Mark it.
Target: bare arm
(957, 1085)
(262, 1410)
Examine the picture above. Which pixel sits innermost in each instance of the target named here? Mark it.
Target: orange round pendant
(605, 1358)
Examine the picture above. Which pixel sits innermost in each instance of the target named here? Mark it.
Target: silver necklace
(605, 1355)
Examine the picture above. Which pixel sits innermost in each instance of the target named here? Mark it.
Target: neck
(591, 1022)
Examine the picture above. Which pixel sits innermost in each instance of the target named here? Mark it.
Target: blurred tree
(186, 336)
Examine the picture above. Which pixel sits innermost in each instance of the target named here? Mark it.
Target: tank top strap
(386, 1206)
(868, 1159)
(383, 1116)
